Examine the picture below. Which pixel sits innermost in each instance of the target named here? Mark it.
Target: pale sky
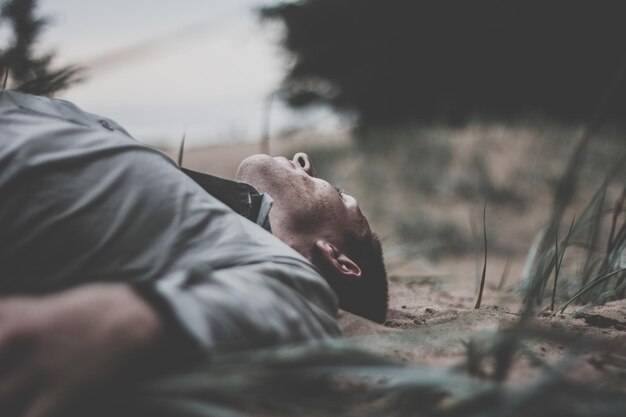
(161, 67)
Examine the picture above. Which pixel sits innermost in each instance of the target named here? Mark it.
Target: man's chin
(253, 166)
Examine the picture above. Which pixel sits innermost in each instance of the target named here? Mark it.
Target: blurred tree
(20, 67)
(405, 60)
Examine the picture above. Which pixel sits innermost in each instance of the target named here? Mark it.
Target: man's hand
(55, 348)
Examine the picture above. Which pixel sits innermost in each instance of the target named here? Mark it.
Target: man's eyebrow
(338, 189)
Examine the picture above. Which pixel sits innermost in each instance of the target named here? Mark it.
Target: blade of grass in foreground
(340, 379)
(559, 261)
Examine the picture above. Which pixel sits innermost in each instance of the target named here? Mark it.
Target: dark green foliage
(403, 60)
(20, 67)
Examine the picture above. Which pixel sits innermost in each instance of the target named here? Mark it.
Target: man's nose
(304, 161)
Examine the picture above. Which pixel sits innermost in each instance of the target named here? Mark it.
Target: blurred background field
(432, 114)
(423, 187)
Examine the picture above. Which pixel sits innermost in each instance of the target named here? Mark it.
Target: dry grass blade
(616, 213)
(556, 266)
(589, 286)
(559, 259)
(4, 69)
(4, 73)
(484, 275)
(475, 245)
(181, 149)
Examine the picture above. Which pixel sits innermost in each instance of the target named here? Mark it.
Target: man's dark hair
(369, 296)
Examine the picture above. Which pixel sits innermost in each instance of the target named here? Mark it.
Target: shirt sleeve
(243, 307)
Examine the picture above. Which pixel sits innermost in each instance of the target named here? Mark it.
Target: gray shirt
(82, 201)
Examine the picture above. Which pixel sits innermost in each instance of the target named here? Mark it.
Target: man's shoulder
(47, 107)
(48, 129)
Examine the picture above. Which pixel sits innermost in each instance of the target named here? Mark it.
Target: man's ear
(336, 260)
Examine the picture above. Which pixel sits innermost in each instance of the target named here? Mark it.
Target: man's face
(304, 205)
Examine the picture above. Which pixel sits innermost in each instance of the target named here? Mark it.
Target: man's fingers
(67, 347)
(54, 399)
(24, 394)
(12, 355)
(17, 390)
(43, 406)
(15, 371)
(17, 381)
(14, 347)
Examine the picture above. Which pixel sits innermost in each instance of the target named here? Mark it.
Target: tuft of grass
(584, 235)
(595, 282)
(539, 262)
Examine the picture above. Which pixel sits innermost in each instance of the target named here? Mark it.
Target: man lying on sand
(113, 260)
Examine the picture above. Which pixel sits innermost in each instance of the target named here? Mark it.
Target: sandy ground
(432, 319)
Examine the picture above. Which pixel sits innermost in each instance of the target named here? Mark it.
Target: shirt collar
(241, 197)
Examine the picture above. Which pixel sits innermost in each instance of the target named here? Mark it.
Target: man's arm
(58, 348)
(252, 305)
